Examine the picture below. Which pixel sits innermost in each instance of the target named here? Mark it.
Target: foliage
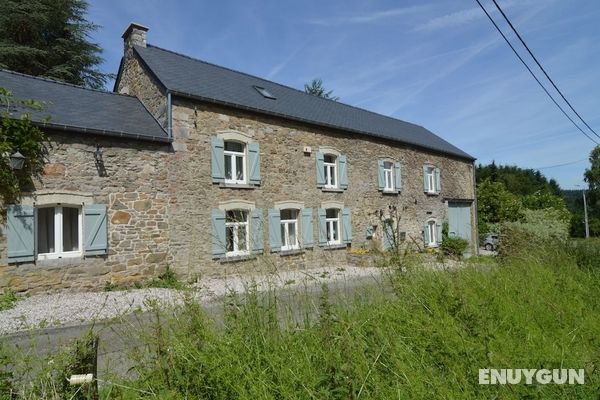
(518, 181)
(167, 280)
(6, 374)
(496, 204)
(17, 133)
(454, 246)
(315, 87)
(7, 299)
(586, 253)
(50, 38)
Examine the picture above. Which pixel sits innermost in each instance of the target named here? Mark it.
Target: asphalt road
(119, 338)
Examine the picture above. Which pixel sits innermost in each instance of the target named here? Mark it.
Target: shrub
(7, 299)
(586, 253)
(454, 246)
(167, 280)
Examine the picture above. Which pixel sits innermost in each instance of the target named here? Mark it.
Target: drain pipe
(169, 116)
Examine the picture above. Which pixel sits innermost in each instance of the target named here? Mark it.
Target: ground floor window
(332, 221)
(236, 231)
(431, 233)
(289, 229)
(59, 232)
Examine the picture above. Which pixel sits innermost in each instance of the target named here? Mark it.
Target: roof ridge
(285, 86)
(50, 80)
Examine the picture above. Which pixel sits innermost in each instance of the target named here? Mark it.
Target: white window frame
(236, 227)
(329, 224)
(330, 171)
(233, 158)
(431, 180)
(285, 239)
(432, 229)
(58, 233)
(388, 176)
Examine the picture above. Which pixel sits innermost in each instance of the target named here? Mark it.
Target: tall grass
(427, 340)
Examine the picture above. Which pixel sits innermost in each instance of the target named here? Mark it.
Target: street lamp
(17, 160)
(585, 216)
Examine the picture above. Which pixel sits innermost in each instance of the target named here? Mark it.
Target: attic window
(266, 94)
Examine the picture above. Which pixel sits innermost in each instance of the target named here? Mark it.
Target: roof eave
(102, 132)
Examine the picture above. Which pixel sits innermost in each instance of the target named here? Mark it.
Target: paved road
(118, 338)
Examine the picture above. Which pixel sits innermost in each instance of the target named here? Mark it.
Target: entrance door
(459, 220)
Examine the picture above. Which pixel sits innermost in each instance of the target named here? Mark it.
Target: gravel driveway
(66, 308)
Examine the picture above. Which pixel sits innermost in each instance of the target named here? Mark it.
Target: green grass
(8, 298)
(423, 335)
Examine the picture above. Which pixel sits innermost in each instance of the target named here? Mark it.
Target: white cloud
(366, 18)
(449, 20)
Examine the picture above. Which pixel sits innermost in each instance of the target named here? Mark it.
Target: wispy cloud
(280, 66)
(449, 20)
(374, 16)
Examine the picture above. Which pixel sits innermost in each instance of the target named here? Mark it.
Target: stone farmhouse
(212, 171)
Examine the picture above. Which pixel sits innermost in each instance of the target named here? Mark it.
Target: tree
(592, 178)
(50, 38)
(496, 204)
(316, 89)
(18, 134)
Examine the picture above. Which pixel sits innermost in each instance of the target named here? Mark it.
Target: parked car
(491, 242)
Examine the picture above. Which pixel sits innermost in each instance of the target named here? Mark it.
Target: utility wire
(542, 68)
(563, 164)
(531, 72)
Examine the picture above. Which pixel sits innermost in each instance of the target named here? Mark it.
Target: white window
(330, 169)
(236, 232)
(59, 232)
(432, 233)
(388, 176)
(332, 221)
(289, 229)
(235, 162)
(430, 179)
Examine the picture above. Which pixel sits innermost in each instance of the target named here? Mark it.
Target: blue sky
(440, 64)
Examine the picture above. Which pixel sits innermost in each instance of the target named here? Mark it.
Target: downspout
(169, 116)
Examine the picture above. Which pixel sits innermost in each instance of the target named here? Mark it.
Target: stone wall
(290, 174)
(134, 190)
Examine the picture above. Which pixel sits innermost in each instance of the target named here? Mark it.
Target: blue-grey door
(459, 220)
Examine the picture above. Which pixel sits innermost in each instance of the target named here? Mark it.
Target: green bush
(7, 299)
(586, 253)
(167, 280)
(454, 246)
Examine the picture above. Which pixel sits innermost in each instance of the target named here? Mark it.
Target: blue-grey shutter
(438, 180)
(346, 225)
(218, 159)
(425, 180)
(20, 233)
(380, 175)
(388, 235)
(398, 177)
(307, 228)
(369, 232)
(320, 170)
(256, 226)
(274, 229)
(322, 227)
(438, 232)
(343, 165)
(95, 230)
(219, 241)
(254, 162)
(426, 234)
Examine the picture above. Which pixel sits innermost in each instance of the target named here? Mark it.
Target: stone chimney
(135, 35)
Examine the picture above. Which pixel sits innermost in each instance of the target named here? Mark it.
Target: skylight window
(266, 94)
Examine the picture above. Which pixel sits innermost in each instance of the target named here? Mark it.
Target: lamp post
(585, 215)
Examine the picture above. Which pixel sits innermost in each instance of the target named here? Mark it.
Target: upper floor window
(235, 162)
(289, 229)
(59, 232)
(332, 221)
(330, 170)
(431, 179)
(236, 232)
(388, 176)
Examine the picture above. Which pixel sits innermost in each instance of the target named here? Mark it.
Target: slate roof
(192, 78)
(74, 108)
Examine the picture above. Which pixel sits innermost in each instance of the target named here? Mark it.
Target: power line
(542, 68)
(531, 72)
(563, 164)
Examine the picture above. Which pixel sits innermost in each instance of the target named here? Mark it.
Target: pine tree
(50, 38)
(316, 89)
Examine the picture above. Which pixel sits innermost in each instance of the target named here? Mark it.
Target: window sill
(232, 259)
(333, 190)
(335, 246)
(236, 186)
(432, 193)
(294, 252)
(390, 192)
